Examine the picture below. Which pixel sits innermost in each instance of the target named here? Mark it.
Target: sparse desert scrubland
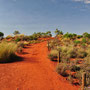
(74, 56)
(72, 50)
(12, 44)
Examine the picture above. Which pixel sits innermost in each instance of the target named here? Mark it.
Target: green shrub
(70, 35)
(76, 42)
(79, 36)
(84, 40)
(17, 39)
(83, 45)
(86, 35)
(7, 51)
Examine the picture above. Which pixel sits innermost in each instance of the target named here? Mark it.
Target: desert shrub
(34, 42)
(79, 36)
(75, 68)
(17, 39)
(20, 47)
(9, 36)
(53, 54)
(20, 44)
(81, 53)
(88, 78)
(78, 75)
(33, 37)
(76, 42)
(58, 32)
(26, 43)
(83, 45)
(84, 40)
(61, 69)
(70, 35)
(53, 43)
(1, 35)
(86, 35)
(19, 50)
(87, 60)
(7, 51)
(67, 52)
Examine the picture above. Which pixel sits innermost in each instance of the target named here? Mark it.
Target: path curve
(35, 72)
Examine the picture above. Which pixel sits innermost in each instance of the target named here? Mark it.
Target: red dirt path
(35, 72)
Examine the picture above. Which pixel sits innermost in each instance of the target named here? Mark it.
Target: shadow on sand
(11, 60)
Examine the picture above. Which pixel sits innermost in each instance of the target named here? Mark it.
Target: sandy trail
(35, 72)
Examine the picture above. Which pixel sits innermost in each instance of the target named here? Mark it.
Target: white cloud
(87, 1)
(84, 1)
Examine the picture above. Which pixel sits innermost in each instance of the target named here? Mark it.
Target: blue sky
(29, 16)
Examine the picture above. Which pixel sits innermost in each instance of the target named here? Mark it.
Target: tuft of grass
(75, 68)
(81, 53)
(61, 69)
(7, 51)
(53, 54)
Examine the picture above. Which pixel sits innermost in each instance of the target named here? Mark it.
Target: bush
(68, 52)
(34, 42)
(76, 42)
(53, 55)
(79, 36)
(1, 35)
(75, 68)
(70, 35)
(81, 53)
(87, 60)
(61, 69)
(7, 51)
(9, 36)
(78, 76)
(20, 44)
(18, 39)
(20, 47)
(84, 40)
(86, 35)
(26, 43)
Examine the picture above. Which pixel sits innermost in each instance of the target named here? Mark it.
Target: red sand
(35, 72)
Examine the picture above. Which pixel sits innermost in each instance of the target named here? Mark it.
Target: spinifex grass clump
(53, 55)
(7, 52)
(61, 69)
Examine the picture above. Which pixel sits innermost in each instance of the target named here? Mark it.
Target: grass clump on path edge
(7, 52)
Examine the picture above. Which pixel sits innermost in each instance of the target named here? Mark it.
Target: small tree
(1, 35)
(16, 32)
(58, 32)
(49, 33)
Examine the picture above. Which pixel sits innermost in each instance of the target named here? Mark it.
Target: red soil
(35, 72)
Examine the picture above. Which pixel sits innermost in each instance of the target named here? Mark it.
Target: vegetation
(74, 55)
(58, 32)
(1, 35)
(73, 51)
(16, 32)
(7, 52)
